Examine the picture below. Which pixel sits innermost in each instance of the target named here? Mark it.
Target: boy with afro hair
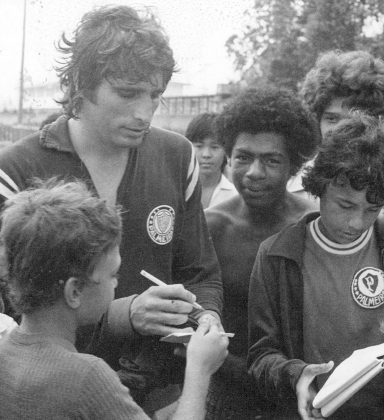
(267, 135)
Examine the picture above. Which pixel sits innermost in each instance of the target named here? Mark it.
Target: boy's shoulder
(280, 244)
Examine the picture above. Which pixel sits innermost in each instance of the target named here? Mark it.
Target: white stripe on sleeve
(8, 180)
(193, 175)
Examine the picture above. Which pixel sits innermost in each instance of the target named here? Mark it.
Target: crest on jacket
(368, 287)
(160, 224)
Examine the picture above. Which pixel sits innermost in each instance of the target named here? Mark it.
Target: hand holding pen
(160, 310)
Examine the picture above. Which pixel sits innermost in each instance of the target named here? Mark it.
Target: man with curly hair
(267, 135)
(113, 74)
(317, 288)
(339, 83)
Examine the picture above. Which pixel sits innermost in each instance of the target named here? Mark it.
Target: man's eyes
(128, 94)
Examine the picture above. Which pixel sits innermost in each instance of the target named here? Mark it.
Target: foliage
(281, 39)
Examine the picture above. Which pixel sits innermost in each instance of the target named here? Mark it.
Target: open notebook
(350, 376)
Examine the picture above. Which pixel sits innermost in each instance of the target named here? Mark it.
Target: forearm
(276, 376)
(234, 371)
(191, 405)
(113, 331)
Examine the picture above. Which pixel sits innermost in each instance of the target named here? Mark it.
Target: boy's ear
(228, 160)
(73, 292)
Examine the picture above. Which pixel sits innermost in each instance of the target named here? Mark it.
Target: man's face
(121, 112)
(345, 213)
(210, 155)
(333, 114)
(260, 168)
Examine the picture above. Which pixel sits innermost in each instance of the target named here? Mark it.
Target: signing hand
(306, 392)
(159, 309)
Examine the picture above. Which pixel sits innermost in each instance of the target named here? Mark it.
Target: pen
(161, 283)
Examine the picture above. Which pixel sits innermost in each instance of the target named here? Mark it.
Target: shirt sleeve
(195, 262)
(276, 375)
(104, 397)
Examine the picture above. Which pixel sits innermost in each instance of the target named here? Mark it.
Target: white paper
(340, 399)
(351, 375)
(184, 337)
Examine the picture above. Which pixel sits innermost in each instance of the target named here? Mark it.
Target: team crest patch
(160, 224)
(368, 287)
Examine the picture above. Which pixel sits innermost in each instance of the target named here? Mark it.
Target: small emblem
(368, 287)
(160, 224)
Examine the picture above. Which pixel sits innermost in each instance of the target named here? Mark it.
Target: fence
(12, 133)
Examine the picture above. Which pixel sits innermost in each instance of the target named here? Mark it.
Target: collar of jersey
(334, 247)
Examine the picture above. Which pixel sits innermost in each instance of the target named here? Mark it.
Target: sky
(198, 30)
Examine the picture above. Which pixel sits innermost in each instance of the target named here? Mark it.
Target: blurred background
(220, 46)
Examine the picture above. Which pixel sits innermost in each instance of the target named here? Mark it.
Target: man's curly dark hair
(356, 76)
(353, 154)
(112, 42)
(270, 109)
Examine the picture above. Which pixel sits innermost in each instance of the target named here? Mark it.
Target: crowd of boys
(99, 194)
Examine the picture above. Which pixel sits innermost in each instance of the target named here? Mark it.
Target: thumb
(319, 369)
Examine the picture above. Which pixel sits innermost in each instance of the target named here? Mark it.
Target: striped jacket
(164, 229)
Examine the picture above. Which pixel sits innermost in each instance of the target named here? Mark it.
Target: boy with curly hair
(339, 83)
(267, 135)
(61, 249)
(317, 288)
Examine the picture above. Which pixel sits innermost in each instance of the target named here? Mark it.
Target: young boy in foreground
(61, 250)
(317, 287)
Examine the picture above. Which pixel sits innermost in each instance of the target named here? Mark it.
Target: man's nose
(144, 109)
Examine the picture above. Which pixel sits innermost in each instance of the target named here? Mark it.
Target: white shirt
(223, 191)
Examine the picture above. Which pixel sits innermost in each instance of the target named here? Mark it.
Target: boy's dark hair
(50, 233)
(270, 110)
(112, 42)
(352, 154)
(355, 75)
(201, 127)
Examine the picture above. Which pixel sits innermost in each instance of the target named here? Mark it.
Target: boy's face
(120, 112)
(260, 168)
(345, 213)
(333, 114)
(210, 155)
(99, 291)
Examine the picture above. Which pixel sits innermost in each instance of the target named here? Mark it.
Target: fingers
(173, 291)
(159, 308)
(305, 390)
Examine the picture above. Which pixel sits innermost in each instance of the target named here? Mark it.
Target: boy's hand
(207, 349)
(210, 318)
(306, 392)
(157, 310)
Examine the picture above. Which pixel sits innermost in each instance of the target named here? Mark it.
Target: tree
(282, 38)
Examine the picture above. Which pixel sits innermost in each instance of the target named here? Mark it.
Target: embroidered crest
(368, 287)
(160, 224)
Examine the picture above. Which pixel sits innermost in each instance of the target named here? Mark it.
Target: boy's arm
(205, 353)
(276, 375)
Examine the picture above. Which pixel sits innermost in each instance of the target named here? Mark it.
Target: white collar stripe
(335, 248)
